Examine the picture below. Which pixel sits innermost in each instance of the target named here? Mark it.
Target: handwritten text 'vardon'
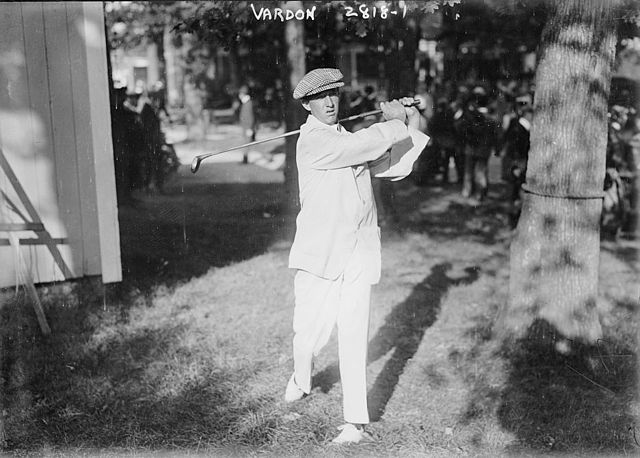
(283, 15)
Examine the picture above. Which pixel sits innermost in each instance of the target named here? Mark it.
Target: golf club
(195, 164)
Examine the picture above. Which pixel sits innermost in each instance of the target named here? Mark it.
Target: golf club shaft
(195, 164)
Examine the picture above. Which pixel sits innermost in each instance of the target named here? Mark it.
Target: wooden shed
(58, 209)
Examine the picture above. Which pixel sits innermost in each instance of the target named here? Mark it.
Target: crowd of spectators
(468, 123)
(143, 159)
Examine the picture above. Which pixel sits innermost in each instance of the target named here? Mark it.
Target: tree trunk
(450, 44)
(294, 113)
(153, 64)
(173, 70)
(158, 40)
(234, 67)
(401, 62)
(555, 253)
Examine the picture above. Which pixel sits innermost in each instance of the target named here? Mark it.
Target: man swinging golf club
(336, 249)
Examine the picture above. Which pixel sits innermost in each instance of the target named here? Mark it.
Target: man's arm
(398, 162)
(328, 149)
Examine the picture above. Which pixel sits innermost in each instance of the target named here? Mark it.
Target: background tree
(493, 36)
(132, 24)
(233, 26)
(555, 253)
(294, 113)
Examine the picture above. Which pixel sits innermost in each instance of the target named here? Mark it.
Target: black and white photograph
(320, 228)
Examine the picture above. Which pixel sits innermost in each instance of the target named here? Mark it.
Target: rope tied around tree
(536, 192)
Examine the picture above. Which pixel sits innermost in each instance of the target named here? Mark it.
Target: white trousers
(320, 304)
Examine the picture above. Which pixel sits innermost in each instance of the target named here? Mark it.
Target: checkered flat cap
(318, 80)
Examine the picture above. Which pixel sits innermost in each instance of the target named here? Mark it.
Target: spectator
(516, 153)
(279, 92)
(630, 228)
(127, 146)
(480, 133)
(426, 97)
(444, 140)
(624, 155)
(509, 117)
(153, 140)
(194, 95)
(158, 97)
(364, 102)
(270, 108)
(244, 108)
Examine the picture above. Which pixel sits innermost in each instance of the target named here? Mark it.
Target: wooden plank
(25, 278)
(21, 227)
(37, 305)
(35, 166)
(15, 117)
(28, 126)
(19, 137)
(95, 49)
(44, 236)
(61, 107)
(36, 179)
(83, 138)
(33, 241)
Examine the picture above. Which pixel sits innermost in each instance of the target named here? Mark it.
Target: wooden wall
(55, 134)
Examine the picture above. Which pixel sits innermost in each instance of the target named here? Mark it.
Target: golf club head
(195, 164)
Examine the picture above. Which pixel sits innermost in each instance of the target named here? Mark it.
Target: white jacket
(337, 204)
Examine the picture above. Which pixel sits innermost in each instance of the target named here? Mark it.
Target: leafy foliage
(225, 23)
(130, 23)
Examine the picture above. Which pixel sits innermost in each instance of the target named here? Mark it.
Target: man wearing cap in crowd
(336, 249)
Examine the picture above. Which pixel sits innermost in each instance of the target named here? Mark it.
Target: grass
(190, 354)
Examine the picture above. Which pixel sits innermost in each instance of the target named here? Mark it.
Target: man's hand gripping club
(401, 110)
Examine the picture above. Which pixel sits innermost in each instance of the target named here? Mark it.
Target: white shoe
(351, 435)
(293, 391)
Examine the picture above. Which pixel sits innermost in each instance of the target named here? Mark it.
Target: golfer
(336, 249)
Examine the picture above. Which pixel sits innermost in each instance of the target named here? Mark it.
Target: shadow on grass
(577, 402)
(446, 215)
(402, 332)
(142, 391)
(166, 239)
(67, 391)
